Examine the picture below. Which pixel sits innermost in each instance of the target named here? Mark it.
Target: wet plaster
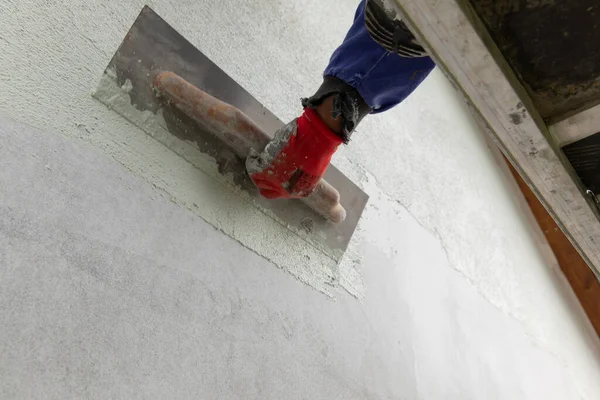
(111, 290)
(126, 292)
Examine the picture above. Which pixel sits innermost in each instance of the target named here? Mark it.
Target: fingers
(255, 162)
(270, 194)
(268, 190)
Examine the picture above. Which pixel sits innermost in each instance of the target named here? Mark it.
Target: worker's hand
(292, 164)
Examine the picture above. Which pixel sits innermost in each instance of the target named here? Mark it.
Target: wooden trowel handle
(239, 132)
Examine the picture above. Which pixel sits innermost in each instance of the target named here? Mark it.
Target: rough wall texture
(110, 288)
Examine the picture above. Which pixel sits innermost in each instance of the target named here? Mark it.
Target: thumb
(255, 162)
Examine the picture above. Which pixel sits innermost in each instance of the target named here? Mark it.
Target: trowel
(161, 78)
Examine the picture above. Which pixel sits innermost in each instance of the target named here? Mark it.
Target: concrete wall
(110, 287)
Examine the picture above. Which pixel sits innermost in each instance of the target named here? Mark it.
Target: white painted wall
(111, 287)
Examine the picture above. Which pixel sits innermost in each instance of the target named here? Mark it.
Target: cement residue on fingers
(257, 162)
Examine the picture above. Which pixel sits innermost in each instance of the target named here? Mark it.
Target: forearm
(363, 77)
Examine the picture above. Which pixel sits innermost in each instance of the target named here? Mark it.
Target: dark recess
(584, 156)
(553, 46)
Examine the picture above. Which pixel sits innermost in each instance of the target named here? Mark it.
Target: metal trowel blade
(152, 45)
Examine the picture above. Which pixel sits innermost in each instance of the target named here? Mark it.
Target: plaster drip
(232, 211)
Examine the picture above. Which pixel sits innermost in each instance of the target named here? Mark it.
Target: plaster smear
(232, 210)
(56, 52)
(117, 99)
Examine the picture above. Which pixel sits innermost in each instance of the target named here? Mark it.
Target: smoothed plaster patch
(218, 201)
(117, 99)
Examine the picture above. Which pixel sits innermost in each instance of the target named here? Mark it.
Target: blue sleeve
(383, 79)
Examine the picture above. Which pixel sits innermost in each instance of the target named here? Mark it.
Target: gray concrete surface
(113, 286)
(109, 290)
